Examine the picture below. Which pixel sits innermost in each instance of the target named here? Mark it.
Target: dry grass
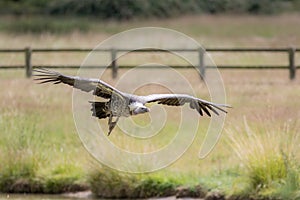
(210, 31)
(260, 96)
(265, 97)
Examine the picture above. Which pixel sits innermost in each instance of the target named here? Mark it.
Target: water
(79, 195)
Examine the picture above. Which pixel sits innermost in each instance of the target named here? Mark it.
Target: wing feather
(212, 109)
(198, 104)
(98, 87)
(204, 108)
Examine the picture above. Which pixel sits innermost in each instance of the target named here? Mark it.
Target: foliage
(35, 25)
(128, 9)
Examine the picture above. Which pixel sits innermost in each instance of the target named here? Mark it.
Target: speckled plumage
(124, 104)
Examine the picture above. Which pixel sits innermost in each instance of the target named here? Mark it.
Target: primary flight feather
(121, 103)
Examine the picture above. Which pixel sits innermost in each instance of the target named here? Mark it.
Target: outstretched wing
(200, 105)
(98, 87)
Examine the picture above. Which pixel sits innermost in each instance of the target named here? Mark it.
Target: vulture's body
(122, 104)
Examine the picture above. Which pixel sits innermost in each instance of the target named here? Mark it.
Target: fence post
(292, 65)
(114, 66)
(28, 66)
(201, 63)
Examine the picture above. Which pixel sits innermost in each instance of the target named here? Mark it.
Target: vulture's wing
(200, 105)
(98, 87)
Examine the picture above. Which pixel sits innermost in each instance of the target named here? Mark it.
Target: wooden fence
(29, 52)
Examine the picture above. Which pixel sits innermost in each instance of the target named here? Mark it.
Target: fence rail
(29, 52)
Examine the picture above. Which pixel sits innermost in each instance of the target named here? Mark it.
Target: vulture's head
(138, 108)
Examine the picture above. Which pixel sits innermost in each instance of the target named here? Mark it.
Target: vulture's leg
(111, 124)
(110, 118)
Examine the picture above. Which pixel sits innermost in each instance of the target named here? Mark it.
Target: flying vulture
(121, 103)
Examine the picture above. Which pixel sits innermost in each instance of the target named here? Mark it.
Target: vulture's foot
(111, 124)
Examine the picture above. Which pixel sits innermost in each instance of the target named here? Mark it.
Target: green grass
(268, 157)
(27, 162)
(65, 178)
(107, 183)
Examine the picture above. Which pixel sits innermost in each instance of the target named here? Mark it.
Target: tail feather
(100, 109)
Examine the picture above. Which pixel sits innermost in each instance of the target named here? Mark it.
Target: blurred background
(257, 155)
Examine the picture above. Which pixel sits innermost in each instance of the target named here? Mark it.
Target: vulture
(121, 104)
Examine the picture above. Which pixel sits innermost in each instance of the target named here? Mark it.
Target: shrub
(269, 159)
(107, 183)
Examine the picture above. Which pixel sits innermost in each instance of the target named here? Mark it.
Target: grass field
(39, 138)
(257, 155)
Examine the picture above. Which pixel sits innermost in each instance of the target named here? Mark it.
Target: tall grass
(268, 156)
(20, 144)
(25, 160)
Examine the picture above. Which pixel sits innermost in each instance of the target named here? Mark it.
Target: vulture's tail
(100, 109)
